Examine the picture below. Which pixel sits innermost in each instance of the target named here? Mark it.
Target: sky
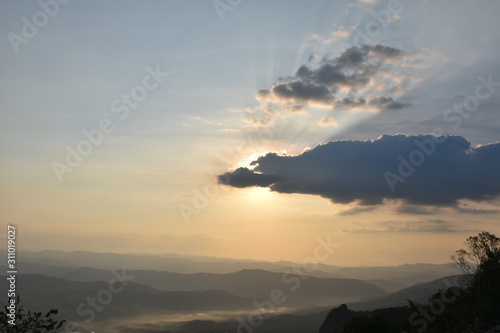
(251, 129)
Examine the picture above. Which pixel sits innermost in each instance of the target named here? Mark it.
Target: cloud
(296, 109)
(395, 19)
(448, 170)
(298, 91)
(342, 32)
(228, 130)
(409, 226)
(385, 52)
(352, 80)
(243, 177)
(356, 210)
(335, 36)
(258, 122)
(416, 210)
(372, 103)
(465, 208)
(206, 121)
(327, 121)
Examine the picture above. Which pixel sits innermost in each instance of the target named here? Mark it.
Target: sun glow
(247, 162)
(258, 194)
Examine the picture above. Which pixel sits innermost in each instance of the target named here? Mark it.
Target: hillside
(418, 293)
(41, 293)
(299, 290)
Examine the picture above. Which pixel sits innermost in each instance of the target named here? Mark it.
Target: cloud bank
(419, 170)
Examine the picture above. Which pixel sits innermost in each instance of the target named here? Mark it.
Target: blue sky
(139, 188)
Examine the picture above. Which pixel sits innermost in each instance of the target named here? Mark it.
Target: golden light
(257, 194)
(247, 162)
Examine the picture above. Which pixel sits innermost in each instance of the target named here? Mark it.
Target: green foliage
(30, 322)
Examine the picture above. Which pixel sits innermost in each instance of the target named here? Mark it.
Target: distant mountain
(407, 274)
(316, 273)
(419, 293)
(164, 262)
(41, 293)
(43, 269)
(389, 286)
(299, 290)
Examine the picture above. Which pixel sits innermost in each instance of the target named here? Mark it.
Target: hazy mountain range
(403, 275)
(301, 290)
(171, 293)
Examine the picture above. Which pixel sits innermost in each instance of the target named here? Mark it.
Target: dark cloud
(387, 103)
(357, 68)
(333, 76)
(361, 56)
(350, 102)
(378, 102)
(244, 177)
(419, 170)
(263, 93)
(302, 91)
(352, 57)
(385, 52)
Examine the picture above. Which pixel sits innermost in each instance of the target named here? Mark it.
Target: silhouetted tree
(473, 308)
(30, 322)
(480, 261)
